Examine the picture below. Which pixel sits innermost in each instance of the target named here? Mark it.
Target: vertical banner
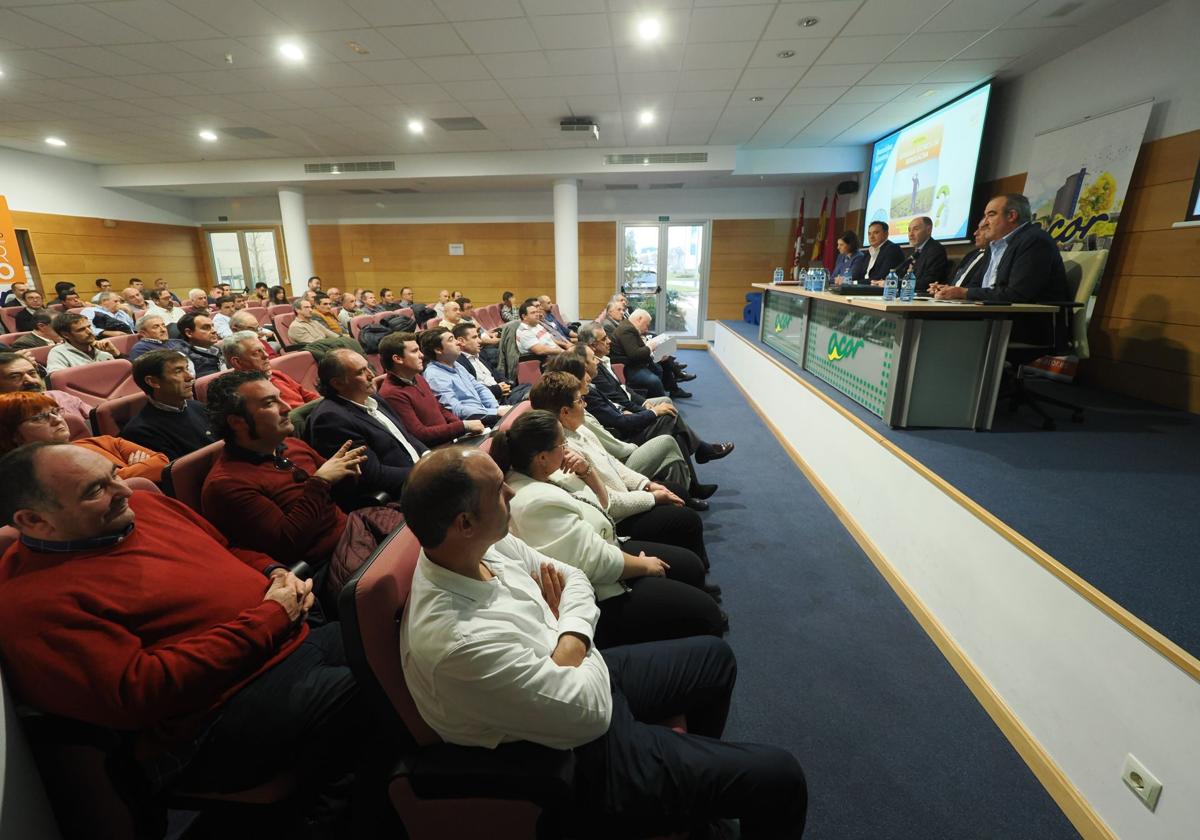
(1079, 174)
(11, 266)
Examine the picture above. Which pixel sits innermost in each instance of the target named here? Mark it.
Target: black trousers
(640, 779)
(668, 524)
(655, 608)
(652, 378)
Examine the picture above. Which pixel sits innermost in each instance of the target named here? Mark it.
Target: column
(566, 247)
(295, 238)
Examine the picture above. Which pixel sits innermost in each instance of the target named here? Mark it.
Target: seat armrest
(521, 770)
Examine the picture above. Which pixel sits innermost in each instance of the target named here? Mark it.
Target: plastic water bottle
(819, 280)
(890, 285)
(808, 279)
(908, 287)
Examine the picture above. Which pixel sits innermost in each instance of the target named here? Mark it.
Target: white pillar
(295, 238)
(566, 247)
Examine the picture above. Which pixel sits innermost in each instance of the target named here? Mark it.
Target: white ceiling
(133, 81)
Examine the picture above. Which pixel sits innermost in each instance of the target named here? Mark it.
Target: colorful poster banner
(11, 266)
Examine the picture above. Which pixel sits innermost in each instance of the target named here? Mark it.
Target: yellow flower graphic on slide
(835, 356)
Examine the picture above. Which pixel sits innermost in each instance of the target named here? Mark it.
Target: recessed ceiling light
(1, 72)
(416, 127)
(646, 118)
(806, 22)
(649, 29)
(55, 141)
(785, 54)
(756, 99)
(210, 136)
(291, 51)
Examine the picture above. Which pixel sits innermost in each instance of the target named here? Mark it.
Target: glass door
(242, 258)
(664, 270)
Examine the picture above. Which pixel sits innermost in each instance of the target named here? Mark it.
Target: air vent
(400, 190)
(339, 168)
(620, 186)
(246, 132)
(647, 159)
(677, 186)
(460, 124)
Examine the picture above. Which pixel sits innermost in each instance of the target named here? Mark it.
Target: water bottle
(808, 279)
(890, 285)
(820, 280)
(908, 288)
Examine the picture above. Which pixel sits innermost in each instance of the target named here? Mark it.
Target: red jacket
(291, 391)
(424, 417)
(149, 634)
(265, 509)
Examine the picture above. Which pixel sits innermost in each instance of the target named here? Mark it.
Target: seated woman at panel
(646, 591)
(850, 254)
(27, 417)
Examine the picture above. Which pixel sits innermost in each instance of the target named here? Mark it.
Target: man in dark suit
(350, 412)
(641, 371)
(928, 258)
(883, 255)
(1024, 264)
(970, 268)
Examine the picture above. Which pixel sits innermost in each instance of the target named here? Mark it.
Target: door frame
(661, 295)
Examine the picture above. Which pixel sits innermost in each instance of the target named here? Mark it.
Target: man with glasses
(18, 373)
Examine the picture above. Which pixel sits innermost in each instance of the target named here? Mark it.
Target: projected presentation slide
(928, 169)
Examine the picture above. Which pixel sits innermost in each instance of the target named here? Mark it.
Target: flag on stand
(819, 240)
(797, 245)
(829, 255)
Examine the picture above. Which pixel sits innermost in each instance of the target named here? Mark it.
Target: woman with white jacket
(646, 591)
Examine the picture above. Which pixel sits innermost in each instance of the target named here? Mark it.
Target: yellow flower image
(1099, 196)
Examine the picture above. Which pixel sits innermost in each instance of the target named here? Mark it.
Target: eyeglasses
(580, 400)
(282, 463)
(44, 416)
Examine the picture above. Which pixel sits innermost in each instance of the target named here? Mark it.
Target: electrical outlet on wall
(1141, 781)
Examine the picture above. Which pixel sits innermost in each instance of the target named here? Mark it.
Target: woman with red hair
(27, 417)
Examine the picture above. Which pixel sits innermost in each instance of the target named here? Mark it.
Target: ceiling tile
(624, 27)
(836, 74)
(716, 56)
(335, 75)
(236, 19)
(934, 46)
(964, 15)
(1037, 14)
(543, 88)
(367, 95)
(166, 105)
(335, 43)
(109, 87)
(663, 59)
(742, 98)
(900, 72)
(477, 90)
(220, 81)
(51, 89)
(33, 34)
(459, 68)
(100, 60)
(562, 7)
(701, 99)
(428, 40)
(498, 36)
(860, 49)
(570, 32)
(649, 82)
(688, 135)
(813, 96)
(85, 23)
(161, 84)
(889, 17)
(396, 12)
(394, 72)
(212, 51)
(594, 104)
(721, 24)
(966, 71)
(315, 15)
(699, 80)
(763, 78)
(42, 64)
(872, 93)
(522, 65)
(420, 94)
(806, 50)
(491, 107)
(537, 107)
(474, 10)
(831, 17)
(840, 116)
(581, 62)
(163, 57)
(588, 85)
(267, 46)
(1012, 43)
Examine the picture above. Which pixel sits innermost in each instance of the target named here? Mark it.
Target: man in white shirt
(164, 306)
(532, 335)
(79, 347)
(226, 306)
(107, 317)
(496, 644)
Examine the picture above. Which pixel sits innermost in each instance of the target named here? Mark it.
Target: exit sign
(664, 218)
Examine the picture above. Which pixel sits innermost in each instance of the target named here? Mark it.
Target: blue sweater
(463, 394)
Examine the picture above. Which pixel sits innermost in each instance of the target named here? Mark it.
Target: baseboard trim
(1056, 783)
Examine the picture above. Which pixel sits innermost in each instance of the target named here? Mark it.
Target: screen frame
(1192, 211)
(987, 116)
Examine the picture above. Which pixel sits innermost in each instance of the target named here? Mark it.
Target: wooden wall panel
(80, 249)
(746, 251)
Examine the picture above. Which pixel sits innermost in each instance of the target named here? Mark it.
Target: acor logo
(782, 322)
(842, 347)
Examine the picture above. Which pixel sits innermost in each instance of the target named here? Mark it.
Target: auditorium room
(555, 419)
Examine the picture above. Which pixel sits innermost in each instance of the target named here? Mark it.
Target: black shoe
(724, 628)
(696, 504)
(713, 451)
(684, 377)
(680, 394)
(713, 590)
(703, 491)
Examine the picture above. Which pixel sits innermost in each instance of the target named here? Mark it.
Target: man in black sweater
(172, 422)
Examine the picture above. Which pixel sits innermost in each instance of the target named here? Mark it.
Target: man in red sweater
(243, 351)
(268, 491)
(409, 395)
(124, 609)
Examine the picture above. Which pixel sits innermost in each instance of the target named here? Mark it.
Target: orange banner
(11, 267)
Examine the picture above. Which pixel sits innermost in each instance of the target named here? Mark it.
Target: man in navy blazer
(350, 412)
(928, 258)
(970, 268)
(883, 255)
(1024, 265)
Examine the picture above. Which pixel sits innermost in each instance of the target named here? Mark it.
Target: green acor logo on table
(842, 347)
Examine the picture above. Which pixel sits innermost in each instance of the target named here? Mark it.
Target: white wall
(594, 205)
(1154, 55)
(46, 184)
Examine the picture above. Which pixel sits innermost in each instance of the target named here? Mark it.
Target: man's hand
(876, 282)
(344, 463)
(552, 582)
(291, 593)
(663, 496)
(573, 462)
(474, 427)
(141, 456)
(951, 293)
(505, 388)
(663, 408)
(652, 566)
(502, 410)
(107, 347)
(570, 651)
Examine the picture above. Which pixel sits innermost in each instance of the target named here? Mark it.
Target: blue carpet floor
(834, 668)
(1112, 498)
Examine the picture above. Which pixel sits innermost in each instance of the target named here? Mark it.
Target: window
(242, 258)
(1193, 208)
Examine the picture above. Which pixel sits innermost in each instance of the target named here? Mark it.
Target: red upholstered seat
(529, 372)
(261, 313)
(279, 309)
(618, 370)
(300, 365)
(10, 338)
(184, 477)
(123, 343)
(358, 322)
(281, 324)
(519, 409)
(8, 315)
(110, 417)
(97, 382)
(41, 354)
(200, 386)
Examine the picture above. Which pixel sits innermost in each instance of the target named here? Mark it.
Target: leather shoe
(680, 394)
(684, 377)
(703, 491)
(696, 504)
(713, 452)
